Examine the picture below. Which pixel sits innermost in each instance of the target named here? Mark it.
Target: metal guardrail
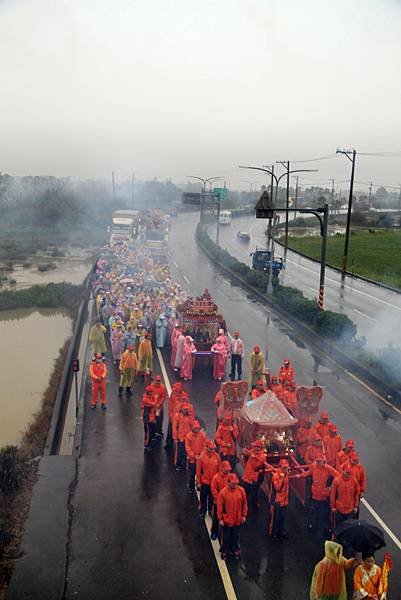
(61, 402)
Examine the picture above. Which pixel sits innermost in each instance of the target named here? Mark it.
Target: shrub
(11, 470)
(335, 325)
(46, 267)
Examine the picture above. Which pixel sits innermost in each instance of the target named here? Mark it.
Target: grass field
(376, 255)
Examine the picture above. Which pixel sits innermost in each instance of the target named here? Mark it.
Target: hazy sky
(177, 87)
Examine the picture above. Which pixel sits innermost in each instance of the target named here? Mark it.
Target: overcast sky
(177, 87)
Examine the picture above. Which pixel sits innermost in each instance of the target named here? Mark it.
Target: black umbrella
(361, 535)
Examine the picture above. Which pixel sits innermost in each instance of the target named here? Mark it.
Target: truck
(261, 261)
(124, 226)
(225, 217)
(155, 241)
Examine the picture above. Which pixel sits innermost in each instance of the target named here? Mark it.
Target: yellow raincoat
(328, 580)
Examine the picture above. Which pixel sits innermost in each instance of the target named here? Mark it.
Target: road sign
(221, 192)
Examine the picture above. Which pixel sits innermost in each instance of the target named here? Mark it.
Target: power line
(327, 157)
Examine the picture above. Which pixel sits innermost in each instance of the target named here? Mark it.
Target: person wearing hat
(286, 372)
(187, 361)
(148, 405)
(161, 330)
(96, 338)
(256, 366)
(160, 392)
(279, 497)
(129, 337)
(344, 496)
(254, 473)
(177, 397)
(321, 475)
(232, 510)
(226, 440)
(237, 353)
(145, 356)
(332, 445)
(258, 390)
(219, 350)
(128, 369)
(206, 467)
(328, 579)
(182, 424)
(219, 482)
(322, 426)
(195, 442)
(98, 374)
(314, 449)
(343, 456)
(303, 439)
(117, 342)
(358, 473)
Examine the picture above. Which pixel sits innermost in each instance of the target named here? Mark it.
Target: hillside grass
(372, 255)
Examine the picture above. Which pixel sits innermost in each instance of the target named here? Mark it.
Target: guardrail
(61, 402)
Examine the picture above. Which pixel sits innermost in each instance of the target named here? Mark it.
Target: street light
(204, 182)
(351, 155)
(250, 183)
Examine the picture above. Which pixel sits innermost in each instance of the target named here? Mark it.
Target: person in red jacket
(344, 496)
(332, 444)
(182, 424)
(279, 497)
(148, 405)
(314, 449)
(358, 473)
(98, 374)
(258, 390)
(322, 426)
(219, 402)
(322, 476)
(343, 455)
(286, 372)
(195, 442)
(206, 467)
(288, 397)
(219, 481)
(254, 473)
(177, 396)
(226, 440)
(303, 439)
(232, 509)
(160, 394)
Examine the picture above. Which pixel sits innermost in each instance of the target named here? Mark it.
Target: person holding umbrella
(328, 579)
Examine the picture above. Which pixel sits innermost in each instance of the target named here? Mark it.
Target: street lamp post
(203, 194)
(351, 155)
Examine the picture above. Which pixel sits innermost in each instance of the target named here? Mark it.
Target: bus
(225, 217)
(124, 226)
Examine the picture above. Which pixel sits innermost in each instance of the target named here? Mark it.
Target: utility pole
(399, 200)
(286, 165)
(351, 155)
(323, 256)
(132, 190)
(113, 185)
(332, 195)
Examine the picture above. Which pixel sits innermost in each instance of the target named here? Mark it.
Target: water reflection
(29, 344)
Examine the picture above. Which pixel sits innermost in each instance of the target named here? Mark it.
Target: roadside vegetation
(384, 364)
(52, 295)
(372, 253)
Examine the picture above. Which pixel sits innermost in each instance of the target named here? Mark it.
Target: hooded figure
(187, 361)
(161, 331)
(328, 580)
(256, 366)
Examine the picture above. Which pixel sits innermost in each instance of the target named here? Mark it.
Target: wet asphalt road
(135, 533)
(375, 310)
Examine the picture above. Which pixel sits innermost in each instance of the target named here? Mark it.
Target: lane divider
(224, 574)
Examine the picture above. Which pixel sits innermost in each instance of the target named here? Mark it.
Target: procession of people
(137, 304)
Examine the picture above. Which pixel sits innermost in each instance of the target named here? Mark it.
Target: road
(136, 533)
(375, 310)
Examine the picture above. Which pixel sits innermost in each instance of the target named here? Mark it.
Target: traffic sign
(221, 192)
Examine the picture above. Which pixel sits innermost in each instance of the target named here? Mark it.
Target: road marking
(224, 574)
(175, 264)
(381, 522)
(313, 289)
(186, 279)
(333, 280)
(364, 315)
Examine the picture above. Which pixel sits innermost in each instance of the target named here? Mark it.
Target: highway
(375, 310)
(134, 530)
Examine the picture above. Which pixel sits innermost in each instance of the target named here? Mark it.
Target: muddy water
(29, 344)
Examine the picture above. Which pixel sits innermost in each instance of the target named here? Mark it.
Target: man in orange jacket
(322, 476)
(343, 455)
(226, 440)
(332, 445)
(98, 373)
(148, 405)
(182, 424)
(314, 449)
(206, 467)
(258, 390)
(303, 439)
(160, 394)
(286, 372)
(279, 497)
(344, 496)
(322, 426)
(232, 510)
(195, 442)
(254, 473)
(177, 397)
(219, 481)
(358, 473)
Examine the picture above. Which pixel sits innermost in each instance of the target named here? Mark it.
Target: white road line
(375, 298)
(224, 574)
(186, 279)
(175, 264)
(313, 289)
(381, 523)
(364, 315)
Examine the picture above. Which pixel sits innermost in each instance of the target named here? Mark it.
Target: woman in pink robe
(174, 340)
(186, 368)
(179, 353)
(117, 343)
(220, 358)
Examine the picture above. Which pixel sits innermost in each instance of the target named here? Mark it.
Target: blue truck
(261, 261)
